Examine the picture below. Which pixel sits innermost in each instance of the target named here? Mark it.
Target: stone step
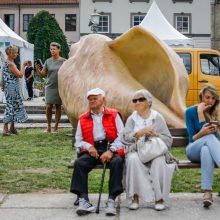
(41, 118)
(32, 109)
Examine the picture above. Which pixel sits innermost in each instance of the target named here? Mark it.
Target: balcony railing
(189, 1)
(110, 1)
(131, 1)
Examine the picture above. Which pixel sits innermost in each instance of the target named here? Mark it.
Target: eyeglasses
(142, 99)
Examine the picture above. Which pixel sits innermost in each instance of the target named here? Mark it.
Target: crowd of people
(144, 182)
(102, 138)
(14, 110)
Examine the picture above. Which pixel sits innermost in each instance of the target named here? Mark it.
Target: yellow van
(203, 66)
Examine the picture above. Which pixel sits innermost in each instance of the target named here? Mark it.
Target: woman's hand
(202, 107)
(208, 129)
(147, 131)
(205, 130)
(42, 72)
(24, 64)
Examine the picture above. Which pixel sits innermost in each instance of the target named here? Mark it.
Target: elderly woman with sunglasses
(146, 182)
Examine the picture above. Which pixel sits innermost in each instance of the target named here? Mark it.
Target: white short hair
(144, 93)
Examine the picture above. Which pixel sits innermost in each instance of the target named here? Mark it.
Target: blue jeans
(205, 150)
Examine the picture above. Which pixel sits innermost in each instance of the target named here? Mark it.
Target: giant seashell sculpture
(133, 61)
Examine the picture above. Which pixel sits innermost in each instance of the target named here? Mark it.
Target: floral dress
(14, 111)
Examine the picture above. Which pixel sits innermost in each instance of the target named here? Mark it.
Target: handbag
(150, 149)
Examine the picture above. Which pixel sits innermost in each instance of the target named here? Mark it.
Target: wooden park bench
(180, 139)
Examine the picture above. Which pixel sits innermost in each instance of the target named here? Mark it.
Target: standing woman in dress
(204, 144)
(52, 97)
(14, 111)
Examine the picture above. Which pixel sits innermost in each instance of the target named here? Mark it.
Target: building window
(210, 64)
(136, 19)
(70, 22)
(104, 23)
(26, 19)
(10, 20)
(182, 23)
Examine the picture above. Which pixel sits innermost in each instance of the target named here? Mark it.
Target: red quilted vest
(108, 121)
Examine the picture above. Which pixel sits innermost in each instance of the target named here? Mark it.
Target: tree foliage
(42, 30)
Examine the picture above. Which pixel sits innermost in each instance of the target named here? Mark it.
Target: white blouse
(141, 122)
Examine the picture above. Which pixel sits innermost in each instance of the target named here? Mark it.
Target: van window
(210, 64)
(186, 57)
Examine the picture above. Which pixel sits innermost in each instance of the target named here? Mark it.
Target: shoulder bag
(150, 149)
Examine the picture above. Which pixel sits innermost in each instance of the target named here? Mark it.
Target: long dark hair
(213, 110)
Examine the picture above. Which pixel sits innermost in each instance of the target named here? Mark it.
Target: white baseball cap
(96, 91)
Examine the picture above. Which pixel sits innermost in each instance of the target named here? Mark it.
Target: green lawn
(36, 161)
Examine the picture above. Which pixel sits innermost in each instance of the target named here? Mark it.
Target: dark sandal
(13, 131)
(6, 133)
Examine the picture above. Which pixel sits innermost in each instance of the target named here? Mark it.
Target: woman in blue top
(204, 144)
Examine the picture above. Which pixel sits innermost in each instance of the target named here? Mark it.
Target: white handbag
(150, 149)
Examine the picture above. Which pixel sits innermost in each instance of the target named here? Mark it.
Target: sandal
(207, 199)
(6, 133)
(47, 131)
(14, 132)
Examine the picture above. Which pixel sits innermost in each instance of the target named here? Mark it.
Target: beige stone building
(216, 25)
(17, 14)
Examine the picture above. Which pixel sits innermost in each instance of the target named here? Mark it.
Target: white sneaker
(110, 209)
(134, 206)
(85, 207)
(159, 206)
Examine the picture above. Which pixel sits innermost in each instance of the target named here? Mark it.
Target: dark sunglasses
(142, 99)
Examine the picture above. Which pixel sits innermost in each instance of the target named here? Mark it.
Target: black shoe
(76, 203)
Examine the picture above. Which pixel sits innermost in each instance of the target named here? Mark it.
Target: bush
(42, 30)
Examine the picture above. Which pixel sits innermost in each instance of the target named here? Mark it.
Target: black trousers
(85, 163)
(30, 88)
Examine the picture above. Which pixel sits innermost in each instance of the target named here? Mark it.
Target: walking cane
(102, 183)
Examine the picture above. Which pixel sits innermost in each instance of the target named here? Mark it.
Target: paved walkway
(58, 206)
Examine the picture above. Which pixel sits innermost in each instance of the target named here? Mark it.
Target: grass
(36, 161)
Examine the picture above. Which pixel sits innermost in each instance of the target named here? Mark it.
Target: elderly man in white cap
(96, 128)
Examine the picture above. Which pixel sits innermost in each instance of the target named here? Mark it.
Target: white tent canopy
(7, 35)
(156, 23)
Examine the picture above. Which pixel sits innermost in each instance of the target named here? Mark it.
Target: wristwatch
(113, 150)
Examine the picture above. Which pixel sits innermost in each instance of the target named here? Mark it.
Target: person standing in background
(29, 77)
(50, 71)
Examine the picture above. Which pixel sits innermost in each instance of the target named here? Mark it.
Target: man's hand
(93, 152)
(106, 157)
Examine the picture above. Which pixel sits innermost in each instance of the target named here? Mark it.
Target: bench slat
(178, 132)
(183, 164)
(180, 141)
